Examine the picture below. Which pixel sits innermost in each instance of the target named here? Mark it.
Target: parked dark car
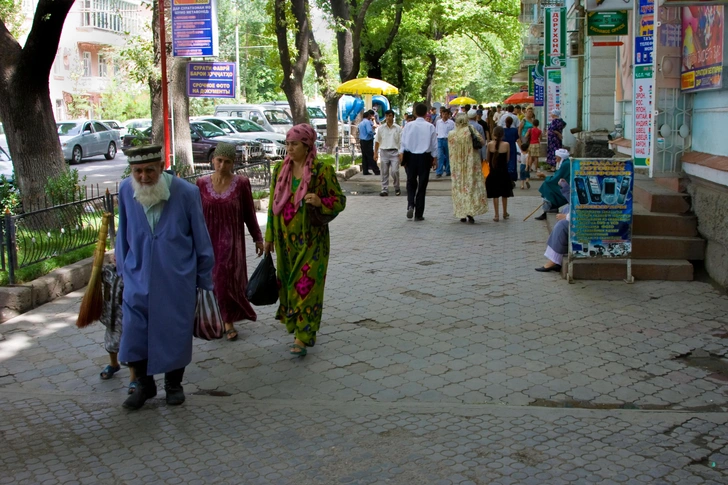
(205, 137)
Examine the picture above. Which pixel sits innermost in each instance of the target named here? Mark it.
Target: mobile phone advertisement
(601, 208)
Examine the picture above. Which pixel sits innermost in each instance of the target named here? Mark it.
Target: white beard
(149, 195)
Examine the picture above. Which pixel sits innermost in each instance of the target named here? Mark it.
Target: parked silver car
(274, 144)
(87, 138)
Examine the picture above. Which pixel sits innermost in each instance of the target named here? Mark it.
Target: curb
(18, 299)
(348, 173)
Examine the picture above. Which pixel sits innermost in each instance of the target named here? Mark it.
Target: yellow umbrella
(463, 100)
(366, 85)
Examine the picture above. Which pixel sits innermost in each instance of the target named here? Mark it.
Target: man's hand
(560, 217)
(259, 248)
(376, 155)
(269, 247)
(401, 156)
(434, 163)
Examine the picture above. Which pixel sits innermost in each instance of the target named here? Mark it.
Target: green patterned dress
(302, 252)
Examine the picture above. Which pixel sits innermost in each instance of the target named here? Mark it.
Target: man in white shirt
(443, 126)
(498, 113)
(386, 148)
(509, 114)
(418, 153)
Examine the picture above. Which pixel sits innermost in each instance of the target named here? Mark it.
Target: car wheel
(77, 154)
(111, 152)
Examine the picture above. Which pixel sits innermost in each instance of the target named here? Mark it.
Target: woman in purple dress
(227, 202)
(555, 137)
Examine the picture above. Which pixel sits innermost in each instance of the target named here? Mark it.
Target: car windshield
(69, 128)
(314, 112)
(245, 126)
(222, 125)
(278, 117)
(209, 130)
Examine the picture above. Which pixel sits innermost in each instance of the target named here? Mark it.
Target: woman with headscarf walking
(304, 195)
(468, 190)
(555, 137)
(227, 202)
(499, 182)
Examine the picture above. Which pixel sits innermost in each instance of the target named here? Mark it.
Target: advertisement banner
(555, 55)
(643, 107)
(211, 79)
(702, 48)
(643, 48)
(608, 5)
(194, 28)
(600, 221)
(607, 23)
(530, 79)
(553, 85)
(538, 85)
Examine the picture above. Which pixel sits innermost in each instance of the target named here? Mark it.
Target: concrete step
(672, 181)
(668, 247)
(647, 223)
(656, 198)
(642, 269)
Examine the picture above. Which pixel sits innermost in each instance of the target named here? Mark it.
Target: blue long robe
(162, 271)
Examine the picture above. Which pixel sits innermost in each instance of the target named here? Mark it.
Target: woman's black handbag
(263, 285)
(477, 144)
(318, 218)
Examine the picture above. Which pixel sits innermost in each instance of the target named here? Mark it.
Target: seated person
(550, 191)
(558, 243)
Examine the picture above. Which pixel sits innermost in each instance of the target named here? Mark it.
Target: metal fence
(43, 232)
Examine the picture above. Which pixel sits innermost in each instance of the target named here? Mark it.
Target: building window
(118, 16)
(57, 65)
(87, 64)
(102, 66)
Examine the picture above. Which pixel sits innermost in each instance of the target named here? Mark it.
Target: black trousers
(367, 157)
(173, 378)
(417, 166)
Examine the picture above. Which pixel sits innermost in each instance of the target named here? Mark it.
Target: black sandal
(471, 219)
(229, 337)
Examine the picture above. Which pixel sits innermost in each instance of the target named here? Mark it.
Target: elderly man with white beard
(163, 253)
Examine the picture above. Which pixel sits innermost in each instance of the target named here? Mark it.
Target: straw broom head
(93, 300)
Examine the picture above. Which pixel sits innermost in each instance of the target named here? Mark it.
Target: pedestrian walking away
(443, 127)
(304, 195)
(164, 253)
(366, 141)
(498, 184)
(534, 148)
(472, 117)
(468, 188)
(227, 203)
(555, 137)
(524, 174)
(418, 153)
(386, 149)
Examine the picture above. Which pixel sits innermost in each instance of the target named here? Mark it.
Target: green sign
(607, 23)
(530, 79)
(555, 33)
(540, 57)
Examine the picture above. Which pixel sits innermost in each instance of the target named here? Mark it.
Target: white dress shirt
(419, 137)
(388, 138)
(444, 127)
(506, 115)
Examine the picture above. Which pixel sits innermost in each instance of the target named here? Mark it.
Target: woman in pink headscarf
(304, 193)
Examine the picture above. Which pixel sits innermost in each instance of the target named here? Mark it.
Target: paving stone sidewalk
(443, 358)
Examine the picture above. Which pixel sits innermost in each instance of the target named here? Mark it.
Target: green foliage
(344, 160)
(125, 103)
(64, 188)
(29, 273)
(10, 197)
(182, 169)
(137, 58)
(260, 194)
(11, 14)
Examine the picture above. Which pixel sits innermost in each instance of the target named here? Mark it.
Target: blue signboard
(538, 85)
(601, 208)
(194, 28)
(643, 46)
(211, 79)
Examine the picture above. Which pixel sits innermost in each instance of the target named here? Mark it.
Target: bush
(260, 194)
(64, 188)
(344, 160)
(9, 196)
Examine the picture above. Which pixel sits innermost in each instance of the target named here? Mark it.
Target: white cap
(562, 153)
(556, 112)
(472, 113)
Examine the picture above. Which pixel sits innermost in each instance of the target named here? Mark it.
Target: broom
(92, 302)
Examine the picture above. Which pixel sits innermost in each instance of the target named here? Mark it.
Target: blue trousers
(443, 157)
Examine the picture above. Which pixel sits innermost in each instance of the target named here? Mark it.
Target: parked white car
(87, 138)
(274, 144)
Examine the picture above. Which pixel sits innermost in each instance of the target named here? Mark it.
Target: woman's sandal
(133, 385)
(302, 351)
(229, 337)
(471, 220)
(506, 215)
(463, 220)
(109, 372)
(496, 219)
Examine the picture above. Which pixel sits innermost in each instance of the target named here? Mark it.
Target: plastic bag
(263, 285)
(208, 321)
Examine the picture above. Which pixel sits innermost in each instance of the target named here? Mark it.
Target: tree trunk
(294, 69)
(373, 58)
(426, 91)
(25, 105)
(181, 119)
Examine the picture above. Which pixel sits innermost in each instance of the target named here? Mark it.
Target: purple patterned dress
(554, 143)
(226, 216)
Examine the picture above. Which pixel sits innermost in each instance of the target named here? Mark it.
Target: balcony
(115, 16)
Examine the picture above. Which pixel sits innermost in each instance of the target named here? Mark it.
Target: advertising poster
(555, 55)
(643, 48)
(530, 79)
(553, 85)
(211, 79)
(194, 28)
(608, 5)
(600, 223)
(607, 23)
(538, 85)
(702, 48)
(643, 107)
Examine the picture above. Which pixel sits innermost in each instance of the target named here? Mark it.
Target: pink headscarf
(305, 134)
